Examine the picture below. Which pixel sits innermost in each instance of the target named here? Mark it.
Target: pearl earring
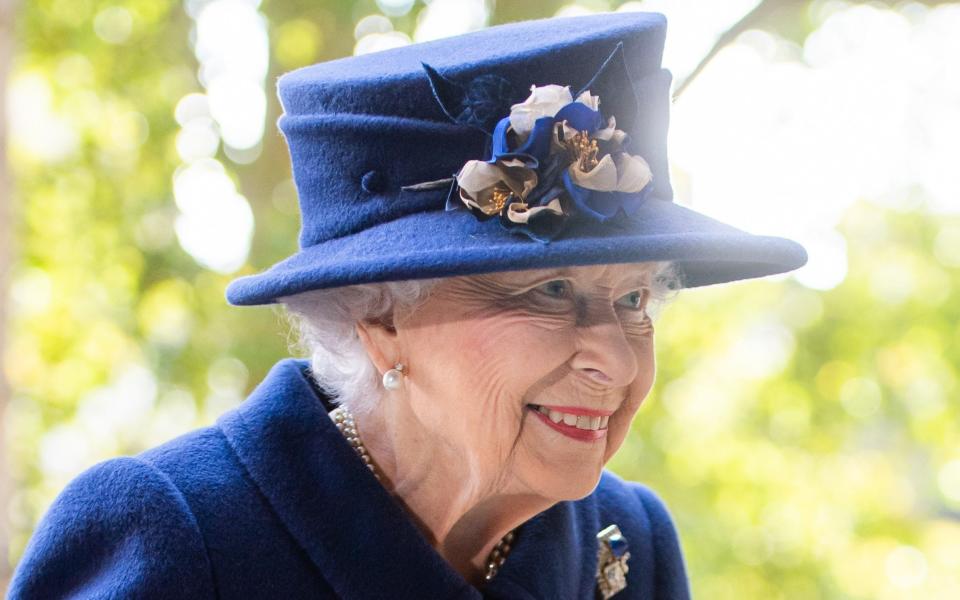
(393, 379)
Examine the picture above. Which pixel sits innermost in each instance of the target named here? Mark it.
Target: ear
(380, 341)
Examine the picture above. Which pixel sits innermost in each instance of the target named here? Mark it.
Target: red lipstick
(583, 435)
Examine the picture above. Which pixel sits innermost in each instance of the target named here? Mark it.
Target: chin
(574, 486)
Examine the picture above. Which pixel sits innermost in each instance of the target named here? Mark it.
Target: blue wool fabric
(272, 502)
(374, 141)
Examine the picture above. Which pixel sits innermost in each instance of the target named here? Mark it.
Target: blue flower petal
(580, 116)
(548, 180)
(632, 201)
(581, 197)
(500, 143)
(606, 203)
(533, 150)
(602, 206)
(538, 142)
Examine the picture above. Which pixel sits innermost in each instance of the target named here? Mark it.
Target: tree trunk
(6, 263)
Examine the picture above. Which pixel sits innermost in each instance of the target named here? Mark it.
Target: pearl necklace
(348, 427)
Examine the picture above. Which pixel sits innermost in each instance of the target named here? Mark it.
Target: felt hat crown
(377, 142)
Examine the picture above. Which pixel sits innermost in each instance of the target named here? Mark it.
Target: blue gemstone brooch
(611, 562)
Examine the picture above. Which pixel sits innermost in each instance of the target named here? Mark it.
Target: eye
(635, 300)
(556, 288)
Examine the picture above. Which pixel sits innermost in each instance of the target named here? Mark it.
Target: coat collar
(356, 534)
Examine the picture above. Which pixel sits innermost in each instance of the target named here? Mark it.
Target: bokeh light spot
(113, 24)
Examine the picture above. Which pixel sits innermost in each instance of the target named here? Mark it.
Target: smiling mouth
(586, 427)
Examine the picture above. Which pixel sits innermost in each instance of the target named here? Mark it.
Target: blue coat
(271, 502)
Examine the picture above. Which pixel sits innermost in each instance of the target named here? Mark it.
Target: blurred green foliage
(807, 443)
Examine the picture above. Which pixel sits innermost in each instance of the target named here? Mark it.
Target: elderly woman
(487, 230)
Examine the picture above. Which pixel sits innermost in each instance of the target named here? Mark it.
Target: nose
(604, 354)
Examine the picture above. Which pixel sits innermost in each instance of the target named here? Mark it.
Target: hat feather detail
(480, 103)
(612, 83)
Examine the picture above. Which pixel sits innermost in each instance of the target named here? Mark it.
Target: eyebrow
(635, 278)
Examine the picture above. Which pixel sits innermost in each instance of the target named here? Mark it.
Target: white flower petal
(466, 199)
(620, 172)
(520, 213)
(544, 101)
(477, 175)
(589, 99)
(555, 144)
(568, 131)
(633, 173)
(477, 180)
(610, 133)
(607, 132)
(602, 177)
(511, 162)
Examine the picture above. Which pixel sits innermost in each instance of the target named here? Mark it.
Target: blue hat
(528, 145)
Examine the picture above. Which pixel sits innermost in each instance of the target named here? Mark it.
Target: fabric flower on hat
(544, 101)
(553, 158)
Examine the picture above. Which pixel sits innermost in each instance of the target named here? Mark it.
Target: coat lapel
(349, 526)
(549, 559)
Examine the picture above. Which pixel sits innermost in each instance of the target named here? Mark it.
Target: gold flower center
(501, 193)
(583, 150)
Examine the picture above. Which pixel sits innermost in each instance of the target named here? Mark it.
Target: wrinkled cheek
(482, 377)
(647, 375)
(507, 363)
(636, 394)
(515, 353)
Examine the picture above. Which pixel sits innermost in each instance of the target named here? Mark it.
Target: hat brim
(453, 243)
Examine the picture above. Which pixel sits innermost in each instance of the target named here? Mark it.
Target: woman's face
(533, 377)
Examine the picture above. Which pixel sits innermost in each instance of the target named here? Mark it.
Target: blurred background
(804, 429)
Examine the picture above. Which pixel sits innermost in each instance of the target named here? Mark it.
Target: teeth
(578, 421)
(587, 422)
